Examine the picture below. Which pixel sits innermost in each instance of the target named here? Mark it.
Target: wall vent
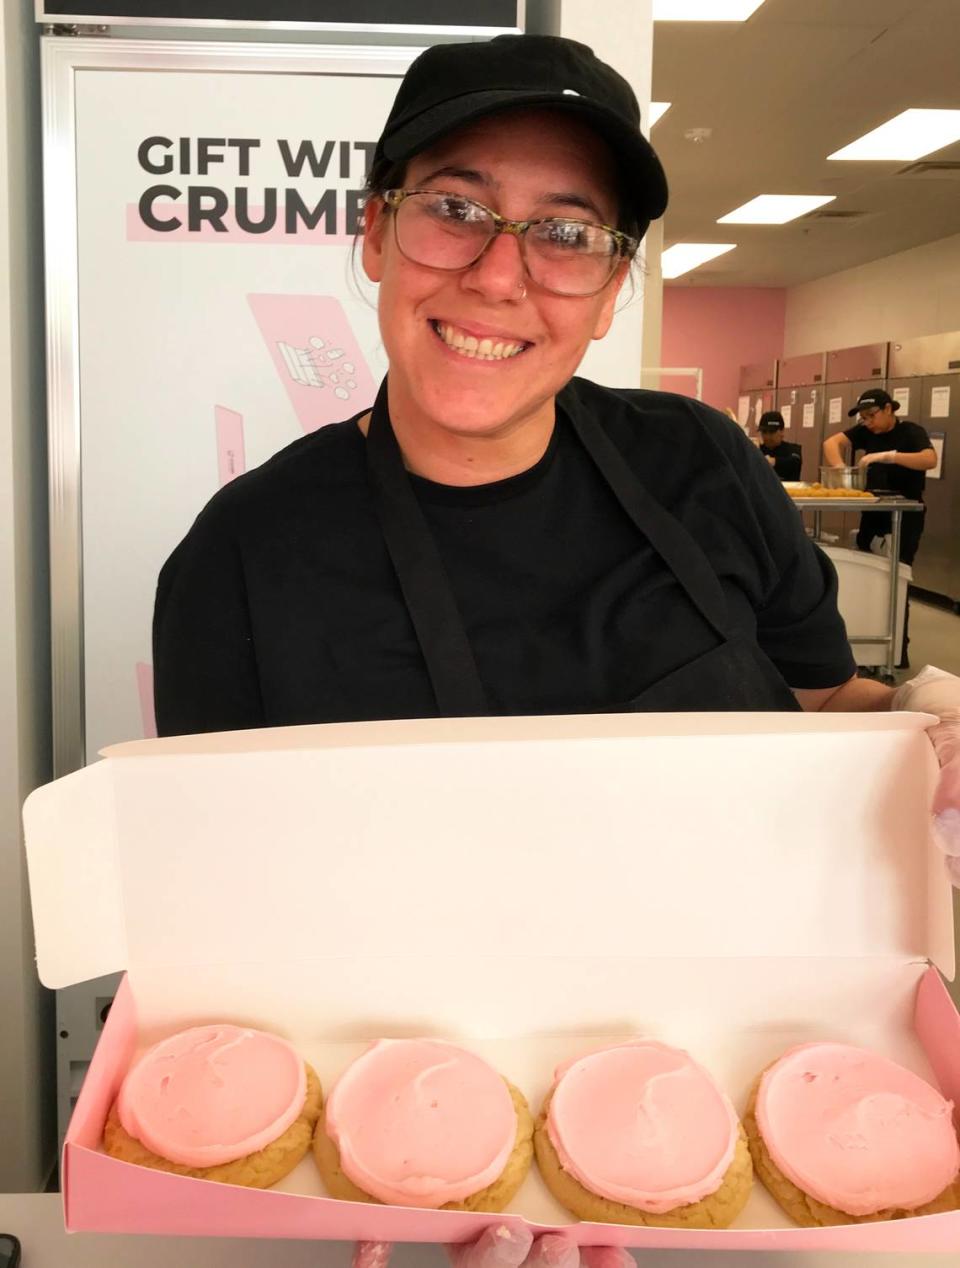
(933, 169)
(827, 213)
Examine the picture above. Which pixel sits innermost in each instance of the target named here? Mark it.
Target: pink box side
(102, 1194)
(938, 1027)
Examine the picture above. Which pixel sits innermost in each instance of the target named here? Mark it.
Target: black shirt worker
(897, 453)
(496, 535)
(785, 458)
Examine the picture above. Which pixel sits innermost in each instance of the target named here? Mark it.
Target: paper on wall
(836, 410)
(757, 411)
(940, 402)
(937, 439)
(787, 412)
(902, 395)
(743, 410)
(809, 411)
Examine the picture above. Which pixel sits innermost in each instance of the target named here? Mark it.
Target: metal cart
(898, 507)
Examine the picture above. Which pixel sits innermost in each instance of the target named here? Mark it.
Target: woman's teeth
(479, 349)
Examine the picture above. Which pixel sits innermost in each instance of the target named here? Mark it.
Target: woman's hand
(868, 459)
(935, 691)
(501, 1247)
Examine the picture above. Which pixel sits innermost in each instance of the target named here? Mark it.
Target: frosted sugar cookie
(424, 1123)
(841, 1135)
(639, 1133)
(217, 1102)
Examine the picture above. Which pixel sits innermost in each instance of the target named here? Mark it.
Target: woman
(496, 536)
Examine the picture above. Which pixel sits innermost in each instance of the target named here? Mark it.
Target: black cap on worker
(450, 85)
(874, 396)
(772, 420)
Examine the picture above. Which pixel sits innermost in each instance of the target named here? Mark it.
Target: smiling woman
(496, 535)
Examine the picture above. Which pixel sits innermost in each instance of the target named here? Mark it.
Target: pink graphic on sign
(316, 355)
(145, 692)
(231, 458)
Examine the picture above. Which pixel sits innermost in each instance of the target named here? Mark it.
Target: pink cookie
(424, 1123)
(217, 1102)
(841, 1135)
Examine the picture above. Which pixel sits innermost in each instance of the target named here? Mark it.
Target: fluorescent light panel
(684, 256)
(775, 209)
(704, 10)
(909, 135)
(657, 110)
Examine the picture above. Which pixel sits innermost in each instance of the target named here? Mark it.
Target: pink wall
(720, 328)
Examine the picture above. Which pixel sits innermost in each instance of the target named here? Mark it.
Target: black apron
(735, 675)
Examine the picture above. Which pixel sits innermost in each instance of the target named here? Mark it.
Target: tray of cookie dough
(397, 981)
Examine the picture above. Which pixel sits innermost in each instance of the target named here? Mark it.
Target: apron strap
(423, 580)
(675, 545)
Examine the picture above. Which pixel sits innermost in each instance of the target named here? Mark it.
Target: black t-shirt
(904, 437)
(787, 459)
(281, 605)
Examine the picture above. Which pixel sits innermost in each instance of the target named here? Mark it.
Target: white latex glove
(770, 458)
(502, 1247)
(888, 455)
(935, 691)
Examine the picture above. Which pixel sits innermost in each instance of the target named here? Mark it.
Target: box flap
(75, 889)
(597, 837)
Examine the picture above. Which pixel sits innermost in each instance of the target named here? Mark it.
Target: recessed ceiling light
(684, 256)
(704, 10)
(657, 110)
(909, 135)
(775, 209)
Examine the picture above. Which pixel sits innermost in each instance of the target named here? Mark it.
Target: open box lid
(598, 836)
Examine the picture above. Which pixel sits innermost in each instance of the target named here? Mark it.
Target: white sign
(743, 410)
(219, 318)
(937, 439)
(787, 412)
(902, 396)
(940, 402)
(836, 410)
(809, 413)
(757, 411)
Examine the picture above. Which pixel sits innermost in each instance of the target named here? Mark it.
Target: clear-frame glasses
(447, 231)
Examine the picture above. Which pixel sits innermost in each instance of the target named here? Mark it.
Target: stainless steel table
(898, 507)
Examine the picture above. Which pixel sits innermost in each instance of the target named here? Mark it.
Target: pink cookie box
(531, 887)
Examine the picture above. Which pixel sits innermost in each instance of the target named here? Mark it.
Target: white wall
(915, 292)
(621, 32)
(26, 1022)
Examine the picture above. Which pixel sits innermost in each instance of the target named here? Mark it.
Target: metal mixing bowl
(844, 477)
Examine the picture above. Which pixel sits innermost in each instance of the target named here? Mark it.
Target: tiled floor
(934, 639)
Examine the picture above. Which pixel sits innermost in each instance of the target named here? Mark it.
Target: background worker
(785, 458)
(898, 454)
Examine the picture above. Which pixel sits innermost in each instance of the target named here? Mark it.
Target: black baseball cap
(873, 396)
(450, 85)
(772, 420)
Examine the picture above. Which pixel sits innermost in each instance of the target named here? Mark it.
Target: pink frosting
(419, 1122)
(856, 1131)
(213, 1094)
(641, 1123)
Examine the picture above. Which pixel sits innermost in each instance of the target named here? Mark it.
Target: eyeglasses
(449, 232)
(867, 414)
